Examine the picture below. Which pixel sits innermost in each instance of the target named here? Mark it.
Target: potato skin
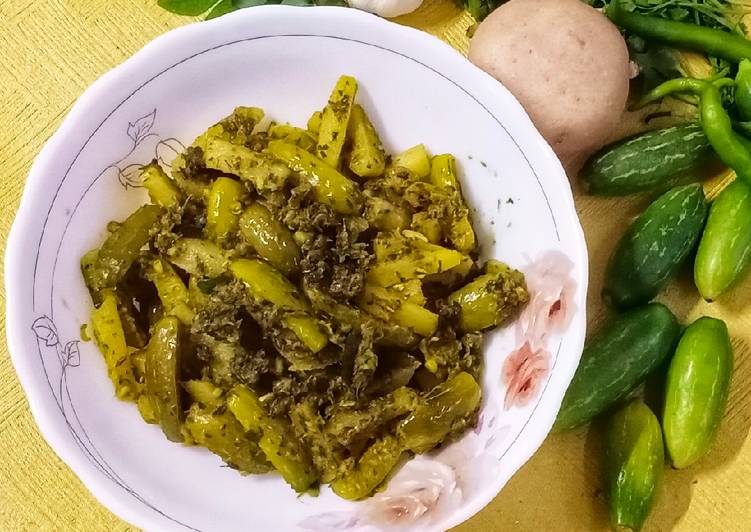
(565, 62)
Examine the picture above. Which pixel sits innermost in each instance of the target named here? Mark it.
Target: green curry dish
(299, 305)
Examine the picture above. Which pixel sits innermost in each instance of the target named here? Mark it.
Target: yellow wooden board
(51, 50)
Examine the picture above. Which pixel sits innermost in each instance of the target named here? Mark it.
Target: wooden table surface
(51, 51)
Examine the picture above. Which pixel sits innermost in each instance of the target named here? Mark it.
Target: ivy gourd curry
(294, 299)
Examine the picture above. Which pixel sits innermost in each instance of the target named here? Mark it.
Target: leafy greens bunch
(480, 8)
(660, 62)
(216, 8)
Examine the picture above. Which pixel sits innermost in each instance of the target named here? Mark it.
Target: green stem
(714, 42)
(730, 147)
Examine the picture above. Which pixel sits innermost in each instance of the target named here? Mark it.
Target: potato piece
(198, 257)
(384, 215)
(410, 258)
(416, 160)
(368, 158)
(335, 121)
(395, 306)
(565, 62)
(110, 338)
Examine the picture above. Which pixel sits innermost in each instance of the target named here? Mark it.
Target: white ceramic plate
(286, 60)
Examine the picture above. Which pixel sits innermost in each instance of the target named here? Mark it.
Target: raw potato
(566, 63)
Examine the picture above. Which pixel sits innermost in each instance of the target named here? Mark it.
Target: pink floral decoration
(551, 292)
(523, 371)
(417, 490)
(549, 311)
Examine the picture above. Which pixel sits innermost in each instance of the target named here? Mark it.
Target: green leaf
(222, 8)
(187, 7)
(480, 9)
(239, 4)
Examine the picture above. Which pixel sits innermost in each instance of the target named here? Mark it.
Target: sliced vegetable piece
(163, 356)
(368, 158)
(110, 338)
(281, 449)
(162, 190)
(261, 170)
(294, 135)
(224, 436)
(198, 257)
(448, 408)
(122, 247)
(268, 284)
(223, 209)
(349, 425)
(416, 159)
(389, 305)
(172, 291)
(443, 172)
(414, 261)
(335, 121)
(330, 187)
(270, 239)
(308, 330)
(489, 299)
(373, 467)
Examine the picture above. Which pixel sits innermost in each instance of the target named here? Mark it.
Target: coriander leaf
(187, 7)
(222, 8)
(720, 14)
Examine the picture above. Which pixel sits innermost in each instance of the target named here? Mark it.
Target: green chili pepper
(714, 42)
(732, 149)
(743, 89)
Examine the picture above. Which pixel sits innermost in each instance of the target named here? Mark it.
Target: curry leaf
(187, 7)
